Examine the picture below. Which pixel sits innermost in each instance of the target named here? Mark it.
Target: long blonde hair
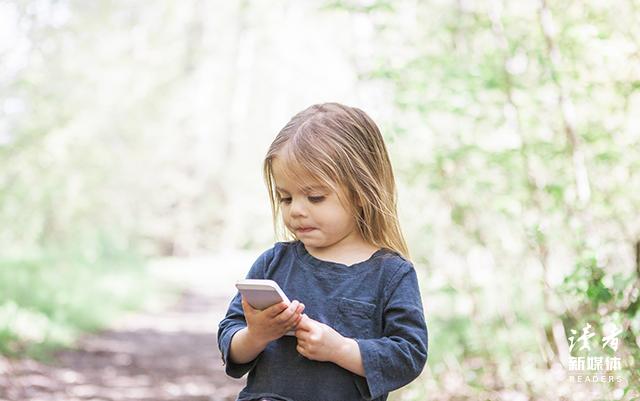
(341, 147)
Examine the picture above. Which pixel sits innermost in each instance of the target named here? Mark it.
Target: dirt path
(166, 354)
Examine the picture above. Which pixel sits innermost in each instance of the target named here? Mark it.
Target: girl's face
(314, 213)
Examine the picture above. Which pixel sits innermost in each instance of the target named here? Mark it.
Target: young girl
(363, 331)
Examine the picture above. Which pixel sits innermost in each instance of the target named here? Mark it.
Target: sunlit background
(132, 136)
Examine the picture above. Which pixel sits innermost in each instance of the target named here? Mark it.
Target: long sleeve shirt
(377, 302)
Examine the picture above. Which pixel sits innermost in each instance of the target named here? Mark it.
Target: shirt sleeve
(399, 356)
(234, 321)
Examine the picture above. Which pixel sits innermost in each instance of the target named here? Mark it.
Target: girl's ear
(357, 202)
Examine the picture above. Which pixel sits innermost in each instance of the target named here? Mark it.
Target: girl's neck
(344, 252)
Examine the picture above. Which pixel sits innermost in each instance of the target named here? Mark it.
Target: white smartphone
(261, 294)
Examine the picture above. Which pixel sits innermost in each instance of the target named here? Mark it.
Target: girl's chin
(310, 242)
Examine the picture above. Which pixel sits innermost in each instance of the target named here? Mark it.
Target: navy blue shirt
(376, 302)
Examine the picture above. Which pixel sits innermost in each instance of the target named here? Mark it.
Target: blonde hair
(342, 148)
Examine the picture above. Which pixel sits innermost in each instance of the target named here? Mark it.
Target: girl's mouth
(305, 229)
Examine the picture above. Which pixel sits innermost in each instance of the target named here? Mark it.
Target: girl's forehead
(292, 181)
(289, 176)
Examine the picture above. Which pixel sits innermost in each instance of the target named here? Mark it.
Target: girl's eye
(312, 199)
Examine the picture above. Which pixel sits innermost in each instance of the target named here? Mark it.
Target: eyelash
(312, 199)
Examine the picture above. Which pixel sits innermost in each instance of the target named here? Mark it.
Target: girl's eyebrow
(304, 189)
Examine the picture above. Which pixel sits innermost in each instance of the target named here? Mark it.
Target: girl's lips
(305, 230)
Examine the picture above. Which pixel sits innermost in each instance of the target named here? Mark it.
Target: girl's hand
(317, 341)
(272, 323)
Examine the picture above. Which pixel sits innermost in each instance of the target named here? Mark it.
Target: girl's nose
(297, 208)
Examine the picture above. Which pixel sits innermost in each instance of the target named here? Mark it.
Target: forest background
(136, 130)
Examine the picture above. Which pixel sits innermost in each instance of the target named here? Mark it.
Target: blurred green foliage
(130, 128)
(525, 120)
(50, 298)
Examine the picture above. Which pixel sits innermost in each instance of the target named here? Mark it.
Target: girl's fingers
(296, 312)
(275, 310)
(286, 315)
(246, 306)
(294, 306)
(301, 335)
(293, 321)
(302, 332)
(305, 323)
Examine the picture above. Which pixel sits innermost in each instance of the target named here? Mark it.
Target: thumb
(306, 323)
(247, 307)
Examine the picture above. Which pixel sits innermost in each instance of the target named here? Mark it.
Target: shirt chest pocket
(354, 318)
